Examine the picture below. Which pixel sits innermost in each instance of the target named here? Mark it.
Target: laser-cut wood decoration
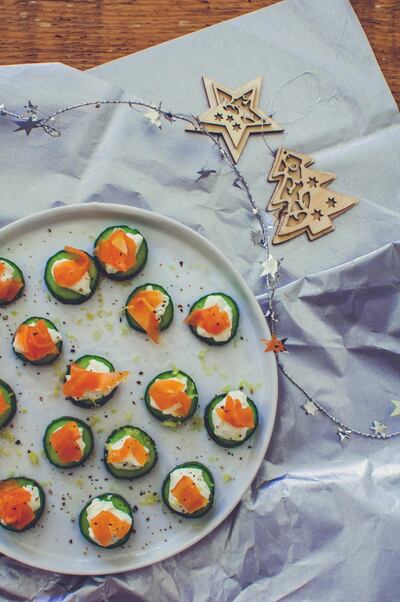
(234, 114)
(301, 198)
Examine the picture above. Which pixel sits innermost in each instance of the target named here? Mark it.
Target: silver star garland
(29, 120)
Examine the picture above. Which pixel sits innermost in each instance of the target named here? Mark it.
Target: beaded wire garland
(29, 119)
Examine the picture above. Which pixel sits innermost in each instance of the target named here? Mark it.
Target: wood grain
(85, 33)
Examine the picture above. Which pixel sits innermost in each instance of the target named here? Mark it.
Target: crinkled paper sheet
(321, 520)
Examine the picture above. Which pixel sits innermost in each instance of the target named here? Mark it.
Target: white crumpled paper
(321, 519)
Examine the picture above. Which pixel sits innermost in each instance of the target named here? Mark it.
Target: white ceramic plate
(188, 266)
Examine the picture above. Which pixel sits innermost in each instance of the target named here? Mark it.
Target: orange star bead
(274, 344)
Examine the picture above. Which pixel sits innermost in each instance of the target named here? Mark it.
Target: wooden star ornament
(301, 198)
(274, 344)
(235, 114)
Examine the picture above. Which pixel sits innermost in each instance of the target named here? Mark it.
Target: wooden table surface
(85, 33)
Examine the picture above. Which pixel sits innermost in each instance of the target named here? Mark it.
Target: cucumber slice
(208, 478)
(144, 439)
(11, 401)
(166, 318)
(141, 256)
(48, 359)
(208, 421)
(50, 452)
(191, 390)
(119, 503)
(83, 362)
(17, 275)
(199, 304)
(66, 295)
(23, 482)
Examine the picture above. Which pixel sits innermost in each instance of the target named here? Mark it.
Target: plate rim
(93, 209)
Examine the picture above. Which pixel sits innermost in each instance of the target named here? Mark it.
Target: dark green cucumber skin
(199, 304)
(49, 359)
(120, 503)
(87, 437)
(65, 295)
(11, 399)
(143, 438)
(191, 391)
(210, 428)
(209, 479)
(141, 257)
(87, 404)
(26, 481)
(167, 316)
(18, 273)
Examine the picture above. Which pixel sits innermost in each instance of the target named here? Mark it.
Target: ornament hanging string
(29, 120)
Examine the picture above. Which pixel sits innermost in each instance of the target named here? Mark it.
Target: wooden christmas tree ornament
(302, 199)
(234, 114)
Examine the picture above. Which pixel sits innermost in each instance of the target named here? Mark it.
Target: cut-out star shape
(317, 214)
(27, 125)
(379, 428)
(331, 202)
(310, 408)
(235, 114)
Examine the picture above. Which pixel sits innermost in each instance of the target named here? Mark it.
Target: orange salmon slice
(82, 381)
(70, 271)
(8, 288)
(106, 526)
(118, 250)
(35, 341)
(130, 445)
(64, 443)
(14, 505)
(142, 308)
(188, 494)
(4, 406)
(211, 319)
(233, 413)
(167, 393)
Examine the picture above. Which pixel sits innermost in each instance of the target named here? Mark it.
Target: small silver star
(270, 266)
(396, 411)
(30, 108)
(379, 428)
(27, 125)
(343, 434)
(310, 408)
(154, 117)
(205, 173)
(255, 237)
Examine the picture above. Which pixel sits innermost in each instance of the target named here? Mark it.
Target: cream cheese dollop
(196, 475)
(8, 273)
(82, 286)
(56, 337)
(224, 306)
(224, 429)
(93, 366)
(96, 506)
(79, 442)
(138, 238)
(130, 462)
(34, 502)
(173, 410)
